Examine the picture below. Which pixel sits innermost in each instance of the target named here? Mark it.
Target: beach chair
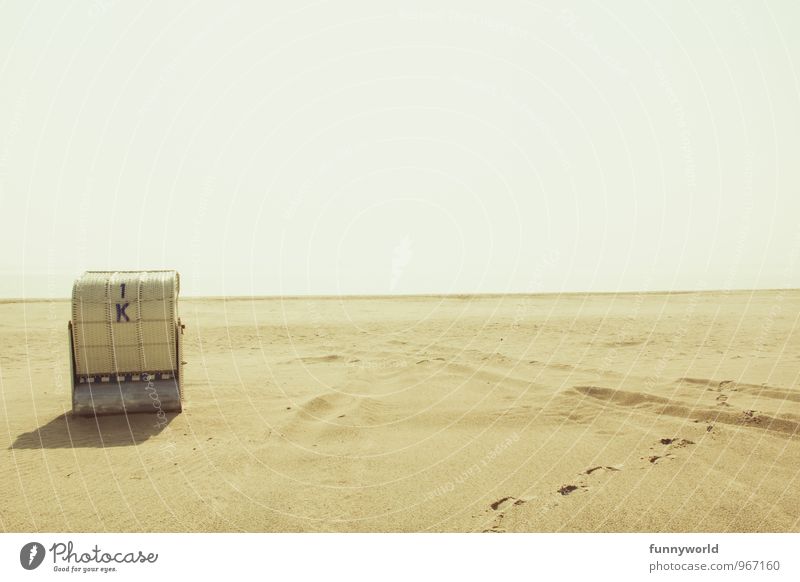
(125, 343)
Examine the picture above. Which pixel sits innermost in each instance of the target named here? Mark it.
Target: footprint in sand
(676, 442)
(501, 506)
(724, 386)
(750, 417)
(567, 489)
(602, 468)
(582, 482)
(671, 443)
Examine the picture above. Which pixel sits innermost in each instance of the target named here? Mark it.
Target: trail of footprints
(665, 448)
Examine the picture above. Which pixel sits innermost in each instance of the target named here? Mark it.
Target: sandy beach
(594, 413)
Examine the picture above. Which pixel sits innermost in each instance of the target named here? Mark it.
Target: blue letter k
(121, 312)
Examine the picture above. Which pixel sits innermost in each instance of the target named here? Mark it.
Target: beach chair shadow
(68, 431)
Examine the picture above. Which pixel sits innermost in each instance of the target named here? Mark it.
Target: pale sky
(363, 148)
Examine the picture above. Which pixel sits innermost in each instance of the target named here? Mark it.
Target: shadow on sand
(68, 431)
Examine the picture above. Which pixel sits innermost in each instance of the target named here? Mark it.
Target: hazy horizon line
(439, 295)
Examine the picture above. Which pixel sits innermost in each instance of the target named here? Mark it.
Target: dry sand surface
(654, 412)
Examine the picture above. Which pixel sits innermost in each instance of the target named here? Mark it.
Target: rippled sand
(653, 412)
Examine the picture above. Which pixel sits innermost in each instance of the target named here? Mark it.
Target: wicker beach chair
(125, 342)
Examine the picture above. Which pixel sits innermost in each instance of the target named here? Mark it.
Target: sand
(636, 412)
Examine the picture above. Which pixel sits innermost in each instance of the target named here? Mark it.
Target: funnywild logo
(31, 555)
